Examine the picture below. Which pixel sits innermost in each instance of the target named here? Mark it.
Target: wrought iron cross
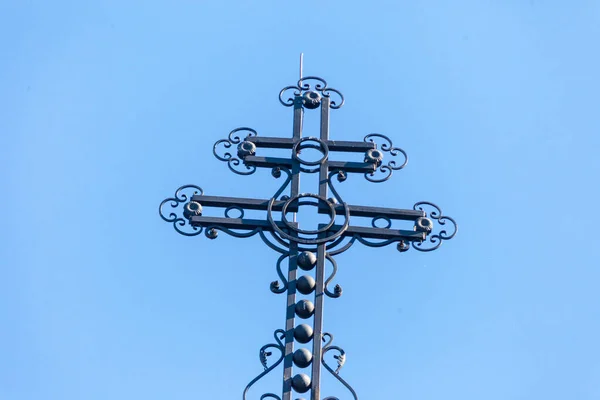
(308, 250)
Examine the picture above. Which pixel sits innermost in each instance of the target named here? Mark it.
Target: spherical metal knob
(307, 260)
(302, 358)
(403, 246)
(423, 225)
(301, 383)
(191, 209)
(246, 148)
(303, 333)
(304, 309)
(373, 156)
(311, 99)
(305, 284)
(212, 233)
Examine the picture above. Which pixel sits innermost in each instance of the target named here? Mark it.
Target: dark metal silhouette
(307, 250)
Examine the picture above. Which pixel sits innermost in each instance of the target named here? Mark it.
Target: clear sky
(107, 107)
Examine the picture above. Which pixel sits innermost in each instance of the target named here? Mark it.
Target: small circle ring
(322, 147)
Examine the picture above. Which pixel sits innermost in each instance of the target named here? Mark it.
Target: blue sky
(108, 106)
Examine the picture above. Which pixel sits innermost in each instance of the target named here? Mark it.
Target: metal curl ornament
(341, 360)
(315, 241)
(222, 150)
(275, 286)
(437, 238)
(304, 86)
(391, 166)
(181, 221)
(337, 290)
(263, 355)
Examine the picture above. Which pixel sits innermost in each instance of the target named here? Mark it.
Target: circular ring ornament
(388, 222)
(304, 231)
(301, 145)
(295, 238)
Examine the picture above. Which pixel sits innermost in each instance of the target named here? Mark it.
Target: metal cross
(307, 249)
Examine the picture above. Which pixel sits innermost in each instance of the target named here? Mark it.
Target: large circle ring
(320, 200)
(294, 238)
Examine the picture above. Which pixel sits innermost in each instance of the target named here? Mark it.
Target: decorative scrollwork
(437, 238)
(337, 291)
(338, 250)
(212, 232)
(304, 85)
(275, 286)
(263, 355)
(279, 232)
(340, 357)
(179, 220)
(385, 169)
(370, 243)
(223, 151)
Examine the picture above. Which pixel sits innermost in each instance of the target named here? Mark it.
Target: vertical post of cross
(291, 292)
(320, 271)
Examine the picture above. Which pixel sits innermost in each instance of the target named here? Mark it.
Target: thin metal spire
(301, 63)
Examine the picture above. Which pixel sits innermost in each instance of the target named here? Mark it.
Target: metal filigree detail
(276, 172)
(337, 290)
(304, 85)
(263, 355)
(181, 222)
(386, 170)
(285, 236)
(222, 150)
(275, 286)
(437, 238)
(340, 357)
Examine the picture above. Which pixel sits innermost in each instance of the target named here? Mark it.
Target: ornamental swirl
(437, 238)
(304, 85)
(275, 286)
(279, 232)
(340, 357)
(263, 355)
(222, 151)
(337, 290)
(386, 170)
(180, 223)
